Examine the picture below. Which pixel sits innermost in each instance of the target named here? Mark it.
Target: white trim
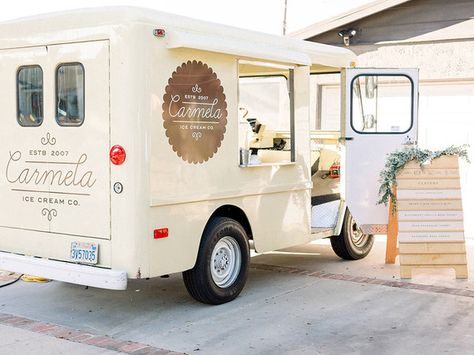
(181, 32)
(283, 163)
(320, 233)
(237, 47)
(63, 271)
(266, 64)
(340, 217)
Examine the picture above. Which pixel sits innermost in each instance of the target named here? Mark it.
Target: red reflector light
(335, 171)
(117, 155)
(159, 32)
(160, 233)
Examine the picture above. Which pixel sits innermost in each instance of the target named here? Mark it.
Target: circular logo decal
(194, 112)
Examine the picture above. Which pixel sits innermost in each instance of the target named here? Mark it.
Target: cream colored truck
(125, 153)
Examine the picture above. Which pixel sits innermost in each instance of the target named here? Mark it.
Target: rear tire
(351, 244)
(222, 264)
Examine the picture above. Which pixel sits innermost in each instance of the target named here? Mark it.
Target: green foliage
(397, 160)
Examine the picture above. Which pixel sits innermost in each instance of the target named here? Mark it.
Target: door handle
(343, 139)
(409, 142)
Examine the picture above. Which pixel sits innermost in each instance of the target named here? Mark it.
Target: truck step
(319, 200)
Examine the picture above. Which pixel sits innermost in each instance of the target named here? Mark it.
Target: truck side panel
(183, 195)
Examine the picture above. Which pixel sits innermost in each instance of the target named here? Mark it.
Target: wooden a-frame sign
(429, 218)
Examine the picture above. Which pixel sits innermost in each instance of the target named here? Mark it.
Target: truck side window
(325, 101)
(30, 96)
(70, 94)
(265, 119)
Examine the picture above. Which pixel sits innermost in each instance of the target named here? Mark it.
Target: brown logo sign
(194, 112)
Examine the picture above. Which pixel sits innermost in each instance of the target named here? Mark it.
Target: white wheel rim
(226, 262)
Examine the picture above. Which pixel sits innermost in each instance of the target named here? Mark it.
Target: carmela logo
(194, 112)
(189, 111)
(23, 172)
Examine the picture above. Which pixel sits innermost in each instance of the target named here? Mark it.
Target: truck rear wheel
(222, 264)
(352, 243)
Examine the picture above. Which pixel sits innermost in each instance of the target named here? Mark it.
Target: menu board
(430, 216)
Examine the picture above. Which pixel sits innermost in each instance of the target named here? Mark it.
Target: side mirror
(369, 122)
(370, 86)
(356, 88)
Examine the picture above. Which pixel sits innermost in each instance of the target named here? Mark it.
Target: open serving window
(266, 114)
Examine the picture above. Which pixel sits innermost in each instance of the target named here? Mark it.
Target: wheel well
(235, 213)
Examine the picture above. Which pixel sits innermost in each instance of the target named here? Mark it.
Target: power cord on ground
(12, 282)
(26, 278)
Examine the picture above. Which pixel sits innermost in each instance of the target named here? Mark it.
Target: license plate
(84, 252)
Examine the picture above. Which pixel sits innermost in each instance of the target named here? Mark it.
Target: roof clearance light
(117, 155)
(160, 233)
(159, 32)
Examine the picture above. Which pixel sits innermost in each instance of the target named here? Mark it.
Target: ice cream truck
(135, 144)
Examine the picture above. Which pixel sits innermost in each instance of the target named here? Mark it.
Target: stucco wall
(436, 60)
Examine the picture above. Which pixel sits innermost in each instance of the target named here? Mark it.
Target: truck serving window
(70, 94)
(30, 96)
(266, 121)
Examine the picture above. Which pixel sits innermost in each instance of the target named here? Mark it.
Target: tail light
(160, 233)
(117, 155)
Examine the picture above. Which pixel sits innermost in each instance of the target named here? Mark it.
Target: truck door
(23, 107)
(55, 139)
(80, 126)
(381, 107)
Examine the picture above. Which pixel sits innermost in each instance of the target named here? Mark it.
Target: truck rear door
(55, 140)
(381, 107)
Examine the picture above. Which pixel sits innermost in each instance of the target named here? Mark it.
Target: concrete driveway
(301, 301)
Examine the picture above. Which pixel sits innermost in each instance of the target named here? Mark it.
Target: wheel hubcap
(226, 261)
(358, 238)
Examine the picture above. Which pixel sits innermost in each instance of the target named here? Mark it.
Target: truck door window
(382, 104)
(30, 96)
(70, 94)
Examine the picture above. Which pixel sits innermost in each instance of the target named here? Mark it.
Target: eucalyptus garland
(397, 160)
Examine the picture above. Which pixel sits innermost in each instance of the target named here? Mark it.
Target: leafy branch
(397, 160)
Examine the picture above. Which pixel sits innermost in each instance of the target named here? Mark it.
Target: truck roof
(181, 32)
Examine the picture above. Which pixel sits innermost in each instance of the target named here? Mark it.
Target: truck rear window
(70, 94)
(30, 96)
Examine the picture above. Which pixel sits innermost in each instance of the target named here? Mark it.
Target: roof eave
(345, 18)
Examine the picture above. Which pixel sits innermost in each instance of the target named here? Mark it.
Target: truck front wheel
(352, 243)
(222, 264)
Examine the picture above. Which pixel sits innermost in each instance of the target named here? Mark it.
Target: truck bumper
(63, 271)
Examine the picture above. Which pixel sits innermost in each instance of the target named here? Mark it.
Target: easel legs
(391, 251)
(406, 270)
